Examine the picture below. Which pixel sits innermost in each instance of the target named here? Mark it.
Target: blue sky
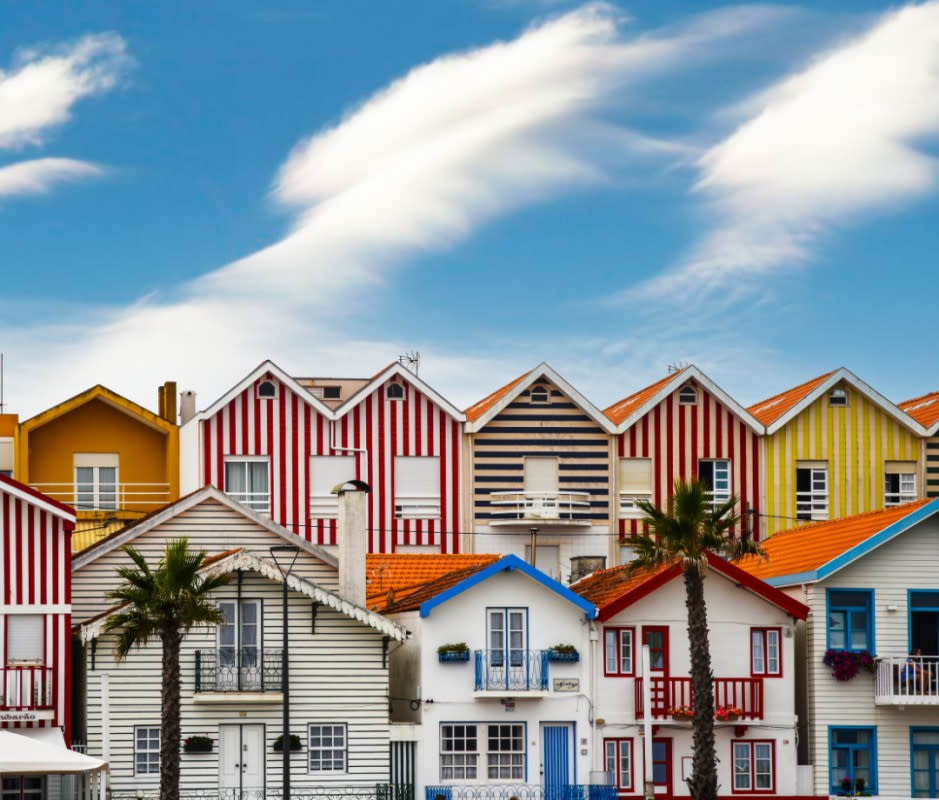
(186, 190)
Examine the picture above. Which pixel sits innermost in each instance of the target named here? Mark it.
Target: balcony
(899, 682)
(508, 674)
(743, 693)
(108, 497)
(522, 508)
(26, 688)
(248, 670)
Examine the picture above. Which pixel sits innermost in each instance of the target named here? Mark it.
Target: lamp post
(285, 550)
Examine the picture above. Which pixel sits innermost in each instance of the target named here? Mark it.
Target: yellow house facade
(834, 447)
(109, 458)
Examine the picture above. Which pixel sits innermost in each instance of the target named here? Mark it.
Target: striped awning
(89, 531)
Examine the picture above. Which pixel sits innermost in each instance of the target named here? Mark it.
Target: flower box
(294, 743)
(679, 716)
(559, 655)
(198, 746)
(453, 655)
(729, 717)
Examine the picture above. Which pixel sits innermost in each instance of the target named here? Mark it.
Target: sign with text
(567, 684)
(25, 716)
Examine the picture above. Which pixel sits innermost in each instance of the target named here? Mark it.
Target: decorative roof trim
(543, 370)
(508, 564)
(33, 497)
(404, 373)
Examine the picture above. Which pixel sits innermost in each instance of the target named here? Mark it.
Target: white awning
(34, 754)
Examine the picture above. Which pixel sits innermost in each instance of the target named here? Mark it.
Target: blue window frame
(851, 619)
(852, 757)
(924, 761)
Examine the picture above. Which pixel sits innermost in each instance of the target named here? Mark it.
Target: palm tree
(691, 527)
(164, 603)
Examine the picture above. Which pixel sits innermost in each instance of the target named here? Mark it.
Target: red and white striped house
(685, 426)
(35, 609)
(280, 444)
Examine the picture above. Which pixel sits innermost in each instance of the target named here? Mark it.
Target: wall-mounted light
(891, 608)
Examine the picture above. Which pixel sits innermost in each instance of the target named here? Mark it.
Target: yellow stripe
(866, 450)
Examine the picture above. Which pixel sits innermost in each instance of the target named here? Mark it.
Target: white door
(241, 761)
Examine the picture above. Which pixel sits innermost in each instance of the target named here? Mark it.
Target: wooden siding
(290, 431)
(558, 428)
(931, 471)
(36, 579)
(677, 436)
(336, 676)
(855, 440)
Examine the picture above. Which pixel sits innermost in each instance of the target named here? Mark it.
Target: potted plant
(563, 652)
(845, 664)
(681, 713)
(727, 713)
(455, 651)
(294, 743)
(198, 744)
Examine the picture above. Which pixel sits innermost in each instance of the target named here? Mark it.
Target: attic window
(539, 395)
(395, 391)
(687, 396)
(332, 392)
(267, 389)
(837, 397)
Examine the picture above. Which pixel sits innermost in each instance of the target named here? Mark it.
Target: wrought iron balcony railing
(907, 681)
(521, 791)
(243, 669)
(26, 688)
(511, 670)
(525, 506)
(743, 693)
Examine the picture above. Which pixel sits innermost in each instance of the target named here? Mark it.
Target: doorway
(241, 761)
(557, 759)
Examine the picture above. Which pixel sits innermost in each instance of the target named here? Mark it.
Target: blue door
(557, 760)
(925, 762)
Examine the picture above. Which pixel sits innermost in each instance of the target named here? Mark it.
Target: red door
(656, 637)
(661, 766)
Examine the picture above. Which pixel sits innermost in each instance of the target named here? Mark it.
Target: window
(635, 483)
(395, 391)
(417, 487)
(618, 760)
(239, 646)
(325, 473)
(539, 394)
(811, 490)
(147, 750)
(753, 766)
(332, 392)
(838, 397)
(507, 633)
(23, 787)
(618, 651)
(765, 658)
(853, 758)
(850, 621)
(899, 482)
(25, 638)
(95, 481)
(716, 475)
(541, 488)
(687, 395)
(246, 480)
(327, 748)
(267, 390)
(503, 746)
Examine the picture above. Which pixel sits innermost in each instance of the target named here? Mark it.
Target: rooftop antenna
(411, 361)
(678, 366)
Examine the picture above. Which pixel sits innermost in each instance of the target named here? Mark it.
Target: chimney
(352, 540)
(166, 395)
(187, 406)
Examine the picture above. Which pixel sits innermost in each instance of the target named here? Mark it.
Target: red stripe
(669, 433)
(257, 421)
(231, 410)
(279, 447)
(742, 493)
(219, 453)
(380, 399)
(454, 501)
(207, 452)
(299, 464)
(683, 448)
(393, 451)
(44, 558)
(718, 433)
(245, 434)
(708, 444)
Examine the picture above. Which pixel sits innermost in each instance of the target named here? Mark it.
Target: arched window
(838, 397)
(539, 394)
(267, 389)
(688, 395)
(395, 391)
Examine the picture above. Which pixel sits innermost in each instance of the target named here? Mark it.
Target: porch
(743, 693)
(521, 508)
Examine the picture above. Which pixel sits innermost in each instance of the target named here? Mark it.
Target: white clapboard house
(231, 674)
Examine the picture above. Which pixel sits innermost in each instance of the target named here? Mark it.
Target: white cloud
(40, 174)
(417, 167)
(841, 138)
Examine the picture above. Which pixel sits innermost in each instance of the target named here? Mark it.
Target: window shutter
(541, 475)
(325, 473)
(417, 487)
(6, 454)
(25, 637)
(900, 467)
(635, 475)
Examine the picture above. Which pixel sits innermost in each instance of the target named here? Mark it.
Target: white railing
(107, 497)
(539, 505)
(907, 680)
(256, 501)
(417, 506)
(812, 505)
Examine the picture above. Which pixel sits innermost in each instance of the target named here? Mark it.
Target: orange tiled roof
(807, 548)
(410, 600)
(405, 573)
(476, 410)
(925, 409)
(605, 585)
(769, 410)
(622, 409)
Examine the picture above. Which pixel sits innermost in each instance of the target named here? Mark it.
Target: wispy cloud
(417, 167)
(40, 174)
(841, 138)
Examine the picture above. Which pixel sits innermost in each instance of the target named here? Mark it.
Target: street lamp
(284, 550)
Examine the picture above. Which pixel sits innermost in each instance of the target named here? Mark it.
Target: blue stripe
(547, 418)
(566, 443)
(554, 430)
(495, 465)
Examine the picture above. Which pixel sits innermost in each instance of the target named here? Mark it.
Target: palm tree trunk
(169, 724)
(703, 784)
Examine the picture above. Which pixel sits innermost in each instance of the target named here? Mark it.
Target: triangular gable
(259, 372)
(510, 563)
(497, 402)
(630, 410)
(925, 410)
(814, 552)
(779, 410)
(155, 518)
(105, 395)
(397, 370)
(241, 560)
(29, 495)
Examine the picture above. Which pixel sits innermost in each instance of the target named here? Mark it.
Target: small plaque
(567, 684)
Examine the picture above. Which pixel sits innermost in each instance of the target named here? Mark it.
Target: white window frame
(255, 500)
(617, 642)
(417, 504)
(273, 383)
(905, 475)
(839, 393)
(718, 497)
(505, 766)
(686, 399)
(815, 501)
(459, 762)
(766, 652)
(613, 760)
(152, 754)
(455, 759)
(399, 392)
(745, 752)
(100, 490)
(540, 389)
(335, 754)
(629, 495)
(32, 627)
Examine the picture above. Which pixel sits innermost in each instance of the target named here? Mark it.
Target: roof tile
(925, 409)
(476, 410)
(403, 574)
(769, 410)
(623, 408)
(605, 585)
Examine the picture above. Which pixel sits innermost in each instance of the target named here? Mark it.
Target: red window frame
(618, 630)
(733, 766)
(620, 743)
(766, 673)
(663, 629)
